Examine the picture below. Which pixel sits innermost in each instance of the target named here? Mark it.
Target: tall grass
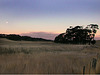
(46, 58)
(43, 63)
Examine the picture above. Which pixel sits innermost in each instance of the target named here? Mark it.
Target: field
(26, 57)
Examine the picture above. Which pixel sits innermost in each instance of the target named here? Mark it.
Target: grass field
(26, 57)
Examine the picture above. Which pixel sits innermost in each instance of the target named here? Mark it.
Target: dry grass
(46, 57)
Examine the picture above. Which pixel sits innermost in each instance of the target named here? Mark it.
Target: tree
(78, 35)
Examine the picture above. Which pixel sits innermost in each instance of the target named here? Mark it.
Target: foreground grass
(46, 57)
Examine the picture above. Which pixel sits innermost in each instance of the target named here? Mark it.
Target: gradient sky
(23, 16)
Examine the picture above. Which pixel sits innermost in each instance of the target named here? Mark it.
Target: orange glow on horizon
(53, 32)
(29, 32)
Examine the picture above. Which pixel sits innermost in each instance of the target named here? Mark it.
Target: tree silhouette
(78, 35)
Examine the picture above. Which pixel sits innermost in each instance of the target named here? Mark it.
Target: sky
(48, 16)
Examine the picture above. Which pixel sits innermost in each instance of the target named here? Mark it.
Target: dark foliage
(19, 38)
(2, 35)
(14, 37)
(78, 35)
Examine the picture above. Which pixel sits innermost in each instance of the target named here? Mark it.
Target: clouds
(97, 37)
(45, 35)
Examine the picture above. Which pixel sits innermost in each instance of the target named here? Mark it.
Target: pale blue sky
(22, 16)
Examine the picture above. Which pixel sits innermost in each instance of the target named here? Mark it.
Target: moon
(7, 22)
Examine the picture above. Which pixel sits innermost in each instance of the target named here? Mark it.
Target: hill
(20, 38)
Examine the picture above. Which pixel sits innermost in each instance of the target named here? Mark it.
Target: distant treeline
(20, 38)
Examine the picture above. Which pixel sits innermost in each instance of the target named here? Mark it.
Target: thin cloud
(97, 38)
(45, 35)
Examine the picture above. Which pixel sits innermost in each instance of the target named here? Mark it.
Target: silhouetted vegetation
(78, 35)
(19, 38)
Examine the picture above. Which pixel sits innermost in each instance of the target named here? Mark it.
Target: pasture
(35, 57)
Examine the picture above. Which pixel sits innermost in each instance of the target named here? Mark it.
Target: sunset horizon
(50, 37)
(44, 35)
(48, 16)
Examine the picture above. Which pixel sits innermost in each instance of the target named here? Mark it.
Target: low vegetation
(46, 57)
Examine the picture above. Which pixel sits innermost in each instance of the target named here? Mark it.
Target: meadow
(42, 57)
